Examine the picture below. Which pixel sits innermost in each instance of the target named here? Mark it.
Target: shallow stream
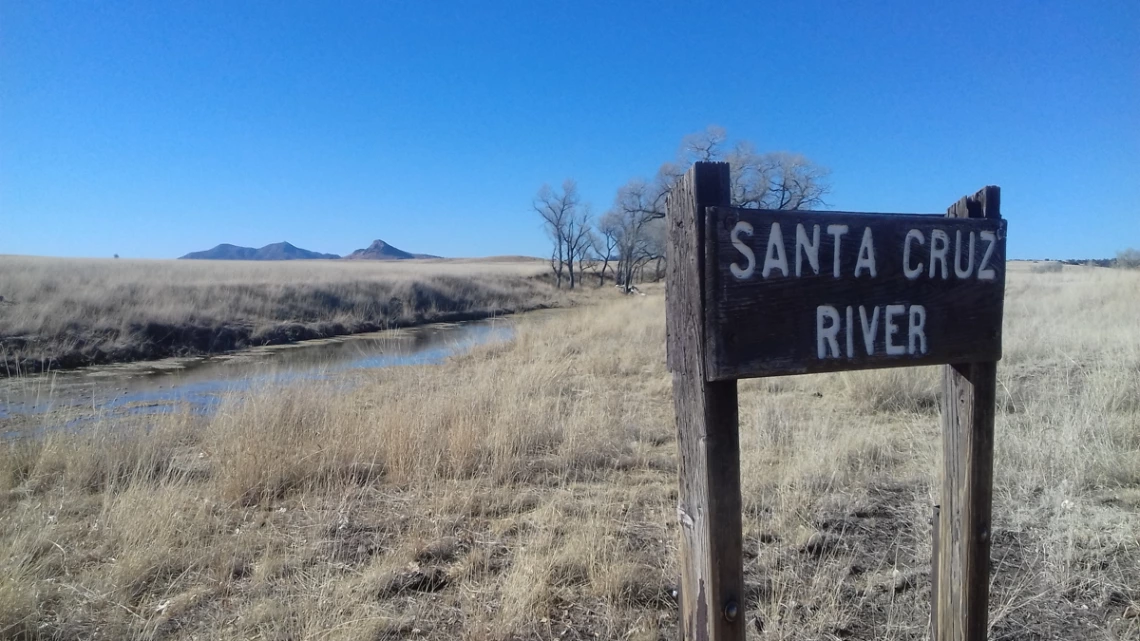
(197, 384)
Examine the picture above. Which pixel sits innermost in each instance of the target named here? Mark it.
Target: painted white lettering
(849, 332)
(958, 271)
(774, 257)
(745, 273)
(911, 272)
(866, 255)
(939, 244)
(825, 335)
(985, 273)
(804, 248)
(869, 328)
(836, 231)
(916, 331)
(892, 329)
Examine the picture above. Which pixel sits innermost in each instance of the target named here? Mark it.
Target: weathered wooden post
(754, 292)
(961, 608)
(708, 506)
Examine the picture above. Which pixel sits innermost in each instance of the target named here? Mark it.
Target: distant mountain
(225, 251)
(276, 251)
(380, 250)
(285, 251)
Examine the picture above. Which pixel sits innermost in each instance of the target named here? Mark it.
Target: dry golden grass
(67, 312)
(528, 490)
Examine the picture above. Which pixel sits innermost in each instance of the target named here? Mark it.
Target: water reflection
(198, 384)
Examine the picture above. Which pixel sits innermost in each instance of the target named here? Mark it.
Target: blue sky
(151, 129)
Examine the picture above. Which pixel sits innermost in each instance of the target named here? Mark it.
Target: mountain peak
(380, 250)
(276, 251)
(284, 250)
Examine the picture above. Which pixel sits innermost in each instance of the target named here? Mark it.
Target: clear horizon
(154, 131)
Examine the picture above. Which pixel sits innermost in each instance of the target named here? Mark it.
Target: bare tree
(557, 210)
(637, 228)
(703, 145)
(603, 245)
(772, 180)
(578, 229)
(776, 180)
(654, 244)
(633, 232)
(1128, 258)
(567, 223)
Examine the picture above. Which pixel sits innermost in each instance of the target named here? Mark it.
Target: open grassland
(67, 312)
(528, 490)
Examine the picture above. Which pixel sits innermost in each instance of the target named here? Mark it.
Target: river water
(197, 384)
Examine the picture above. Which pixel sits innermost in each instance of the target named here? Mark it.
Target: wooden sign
(794, 292)
(763, 293)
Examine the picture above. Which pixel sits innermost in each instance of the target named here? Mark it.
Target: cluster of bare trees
(570, 227)
(630, 236)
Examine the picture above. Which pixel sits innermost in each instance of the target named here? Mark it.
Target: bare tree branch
(776, 180)
(567, 224)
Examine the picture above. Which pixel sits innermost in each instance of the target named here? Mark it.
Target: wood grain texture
(766, 326)
(935, 529)
(968, 397)
(709, 502)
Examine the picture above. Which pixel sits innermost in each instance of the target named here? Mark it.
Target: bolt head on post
(731, 611)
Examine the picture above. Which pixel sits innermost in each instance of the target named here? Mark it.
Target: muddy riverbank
(155, 341)
(60, 313)
(197, 384)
